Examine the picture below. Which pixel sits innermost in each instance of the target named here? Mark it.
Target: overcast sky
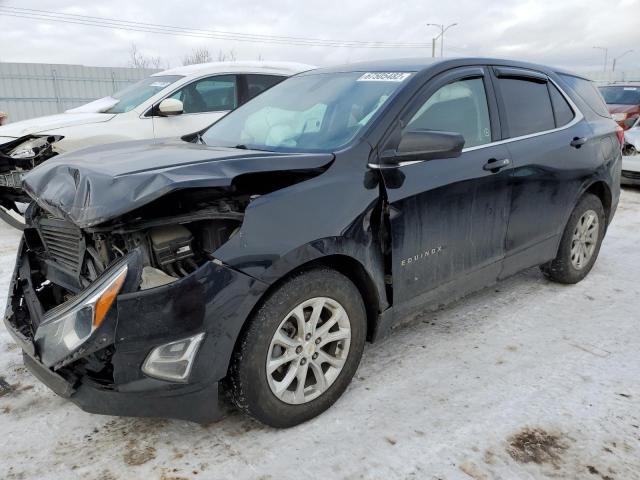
(557, 32)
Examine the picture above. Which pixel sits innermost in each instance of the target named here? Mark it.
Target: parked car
(257, 258)
(632, 140)
(170, 103)
(623, 101)
(631, 159)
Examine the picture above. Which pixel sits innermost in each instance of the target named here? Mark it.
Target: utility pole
(613, 68)
(443, 29)
(606, 53)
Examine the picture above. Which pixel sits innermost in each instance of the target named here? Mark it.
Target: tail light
(620, 135)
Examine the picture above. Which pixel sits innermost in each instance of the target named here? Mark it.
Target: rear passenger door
(448, 217)
(550, 145)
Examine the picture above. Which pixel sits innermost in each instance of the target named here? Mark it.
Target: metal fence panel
(29, 90)
(601, 77)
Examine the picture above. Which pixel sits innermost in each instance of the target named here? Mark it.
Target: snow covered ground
(528, 379)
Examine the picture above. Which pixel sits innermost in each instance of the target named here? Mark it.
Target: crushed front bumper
(214, 299)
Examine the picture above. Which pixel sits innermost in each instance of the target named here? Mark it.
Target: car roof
(272, 68)
(426, 63)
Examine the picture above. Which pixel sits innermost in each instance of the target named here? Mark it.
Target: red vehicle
(623, 101)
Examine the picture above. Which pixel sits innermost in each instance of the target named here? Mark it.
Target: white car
(175, 102)
(631, 158)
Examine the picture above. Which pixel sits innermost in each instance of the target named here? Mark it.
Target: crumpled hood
(52, 122)
(97, 184)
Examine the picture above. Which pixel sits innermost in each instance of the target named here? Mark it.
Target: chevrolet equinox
(257, 257)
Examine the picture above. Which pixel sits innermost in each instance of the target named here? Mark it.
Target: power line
(210, 32)
(101, 22)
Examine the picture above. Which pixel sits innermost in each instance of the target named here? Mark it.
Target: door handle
(577, 142)
(494, 165)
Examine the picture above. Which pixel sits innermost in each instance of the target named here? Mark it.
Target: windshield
(309, 113)
(621, 95)
(132, 96)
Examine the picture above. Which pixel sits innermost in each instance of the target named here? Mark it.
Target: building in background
(29, 90)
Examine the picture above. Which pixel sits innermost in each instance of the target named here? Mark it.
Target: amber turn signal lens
(106, 299)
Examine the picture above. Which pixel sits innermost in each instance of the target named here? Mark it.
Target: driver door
(449, 216)
(205, 101)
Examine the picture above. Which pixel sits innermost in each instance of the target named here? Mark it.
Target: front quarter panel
(331, 214)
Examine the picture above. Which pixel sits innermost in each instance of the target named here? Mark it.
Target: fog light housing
(173, 361)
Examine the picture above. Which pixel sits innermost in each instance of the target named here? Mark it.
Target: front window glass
(212, 94)
(308, 113)
(138, 93)
(621, 95)
(459, 107)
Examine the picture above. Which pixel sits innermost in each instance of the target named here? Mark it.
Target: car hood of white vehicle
(52, 122)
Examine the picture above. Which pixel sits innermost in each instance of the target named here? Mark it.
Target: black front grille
(630, 174)
(63, 241)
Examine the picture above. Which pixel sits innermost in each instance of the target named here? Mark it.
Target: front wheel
(300, 350)
(580, 242)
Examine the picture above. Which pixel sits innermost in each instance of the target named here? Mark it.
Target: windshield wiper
(241, 147)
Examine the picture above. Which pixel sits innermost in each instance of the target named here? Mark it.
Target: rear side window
(562, 109)
(527, 106)
(256, 84)
(587, 92)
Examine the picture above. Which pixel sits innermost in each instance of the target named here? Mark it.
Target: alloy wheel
(308, 350)
(585, 239)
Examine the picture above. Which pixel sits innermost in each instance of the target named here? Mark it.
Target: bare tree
(197, 55)
(138, 60)
(229, 56)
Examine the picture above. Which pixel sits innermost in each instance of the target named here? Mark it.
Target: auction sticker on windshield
(384, 77)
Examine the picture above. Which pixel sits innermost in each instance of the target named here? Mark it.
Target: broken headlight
(68, 326)
(33, 147)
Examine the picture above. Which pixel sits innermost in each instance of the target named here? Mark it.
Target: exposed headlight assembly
(33, 147)
(65, 328)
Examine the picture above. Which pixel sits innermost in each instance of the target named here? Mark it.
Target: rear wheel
(580, 242)
(13, 214)
(300, 350)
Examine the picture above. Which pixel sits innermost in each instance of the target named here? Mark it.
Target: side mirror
(170, 107)
(422, 144)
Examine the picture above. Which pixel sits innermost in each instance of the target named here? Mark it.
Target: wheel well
(354, 271)
(350, 268)
(601, 190)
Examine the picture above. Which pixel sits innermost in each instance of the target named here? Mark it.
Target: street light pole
(443, 29)
(613, 68)
(606, 53)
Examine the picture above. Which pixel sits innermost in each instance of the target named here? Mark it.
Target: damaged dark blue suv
(257, 257)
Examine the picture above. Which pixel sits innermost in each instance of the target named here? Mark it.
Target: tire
(568, 267)
(250, 386)
(12, 217)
